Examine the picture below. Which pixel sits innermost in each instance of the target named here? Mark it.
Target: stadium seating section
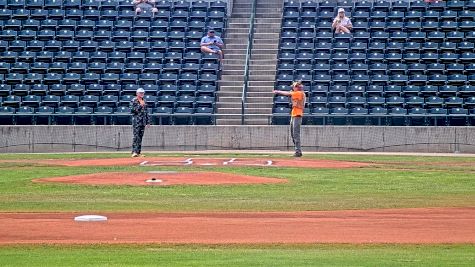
(405, 63)
(81, 61)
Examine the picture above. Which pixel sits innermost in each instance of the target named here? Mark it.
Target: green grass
(395, 182)
(234, 255)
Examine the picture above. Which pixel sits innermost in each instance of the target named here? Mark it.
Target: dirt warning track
(433, 225)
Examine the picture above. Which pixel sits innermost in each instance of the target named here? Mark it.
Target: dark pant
(295, 124)
(138, 135)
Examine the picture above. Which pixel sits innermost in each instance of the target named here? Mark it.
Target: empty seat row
(386, 6)
(111, 15)
(107, 100)
(86, 57)
(164, 25)
(191, 49)
(101, 35)
(111, 89)
(381, 36)
(110, 4)
(376, 46)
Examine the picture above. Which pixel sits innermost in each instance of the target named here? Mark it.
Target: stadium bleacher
(405, 63)
(80, 62)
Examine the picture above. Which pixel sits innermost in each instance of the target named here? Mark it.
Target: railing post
(246, 65)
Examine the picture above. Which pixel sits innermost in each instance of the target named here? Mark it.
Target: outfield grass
(394, 182)
(280, 255)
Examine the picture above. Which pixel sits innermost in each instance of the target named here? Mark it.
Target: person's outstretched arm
(284, 93)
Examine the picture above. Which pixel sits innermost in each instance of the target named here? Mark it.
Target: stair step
(232, 78)
(264, 41)
(230, 99)
(247, 9)
(261, 77)
(269, 4)
(238, 25)
(233, 61)
(242, 5)
(241, 15)
(273, 36)
(229, 110)
(237, 30)
(231, 89)
(238, 20)
(260, 100)
(262, 72)
(270, 10)
(255, 105)
(234, 72)
(234, 105)
(258, 110)
(264, 30)
(260, 94)
(236, 46)
(261, 83)
(236, 56)
(257, 121)
(235, 41)
(267, 15)
(233, 67)
(263, 62)
(262, 67)
(265, 47)
(270, 56)
(260, 90)
(238, 35)
(276, 19)
(229, 94)
(230, 83)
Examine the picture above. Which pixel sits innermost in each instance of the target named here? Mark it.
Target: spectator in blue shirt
(212, 44)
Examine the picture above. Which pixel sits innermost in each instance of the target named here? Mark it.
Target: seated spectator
(342, 24)
(141, 5)
(212, 44)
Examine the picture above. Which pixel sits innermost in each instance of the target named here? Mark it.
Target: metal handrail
(246, 64)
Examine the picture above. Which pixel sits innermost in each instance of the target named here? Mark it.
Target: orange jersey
(298, 103)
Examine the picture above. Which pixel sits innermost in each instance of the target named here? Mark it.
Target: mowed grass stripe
(237, 255)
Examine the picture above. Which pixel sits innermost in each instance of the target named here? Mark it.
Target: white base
(90, 218)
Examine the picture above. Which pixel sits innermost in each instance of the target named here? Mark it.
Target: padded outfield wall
(189, 138)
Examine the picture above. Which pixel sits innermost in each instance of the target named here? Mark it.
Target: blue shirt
(207, 39)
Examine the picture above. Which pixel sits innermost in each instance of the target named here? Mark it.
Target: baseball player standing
(297, 96)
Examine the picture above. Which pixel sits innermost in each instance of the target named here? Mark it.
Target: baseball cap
(140, 90)
(211, 30)
(341, 10)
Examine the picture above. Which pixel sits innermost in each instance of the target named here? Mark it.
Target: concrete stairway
(262, 66)
(232, 76)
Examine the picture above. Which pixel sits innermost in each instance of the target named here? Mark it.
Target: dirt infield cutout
(156, 178)
(182, 161)
(401, 226)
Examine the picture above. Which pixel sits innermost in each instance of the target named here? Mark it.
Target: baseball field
(174, 209)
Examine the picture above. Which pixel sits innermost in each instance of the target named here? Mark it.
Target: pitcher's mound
(161, 178)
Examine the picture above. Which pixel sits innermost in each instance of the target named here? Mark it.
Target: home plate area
(209, 162)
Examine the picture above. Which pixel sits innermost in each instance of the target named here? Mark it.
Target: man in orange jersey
(297, 96)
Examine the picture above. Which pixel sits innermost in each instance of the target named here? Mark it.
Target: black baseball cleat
(298, 154)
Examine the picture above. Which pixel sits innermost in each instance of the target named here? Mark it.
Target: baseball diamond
(237, 133)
